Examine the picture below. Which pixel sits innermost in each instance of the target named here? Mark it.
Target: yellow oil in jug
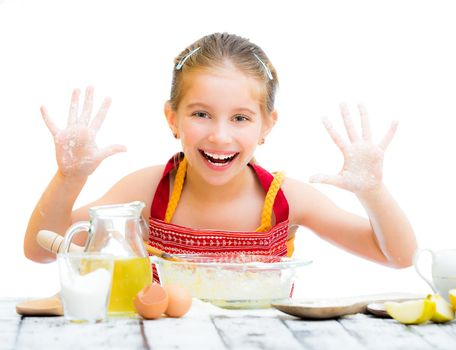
(129, 277)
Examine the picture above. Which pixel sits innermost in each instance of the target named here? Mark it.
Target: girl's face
(220, 122)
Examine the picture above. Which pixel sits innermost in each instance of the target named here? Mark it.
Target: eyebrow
(199, 104)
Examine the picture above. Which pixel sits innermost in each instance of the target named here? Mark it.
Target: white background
(397, 57)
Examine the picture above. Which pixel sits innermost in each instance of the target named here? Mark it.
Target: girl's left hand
(363, 160)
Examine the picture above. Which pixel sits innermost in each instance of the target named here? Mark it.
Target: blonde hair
(214, 51)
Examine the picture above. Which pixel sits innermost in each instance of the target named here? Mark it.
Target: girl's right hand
(76, 151)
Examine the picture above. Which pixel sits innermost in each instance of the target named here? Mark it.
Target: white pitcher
(443, 270)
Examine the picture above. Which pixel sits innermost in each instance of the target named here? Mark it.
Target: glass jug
(118, 230)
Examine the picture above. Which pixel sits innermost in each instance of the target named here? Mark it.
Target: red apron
(176, 239)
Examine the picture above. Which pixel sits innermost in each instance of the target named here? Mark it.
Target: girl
(212, 197)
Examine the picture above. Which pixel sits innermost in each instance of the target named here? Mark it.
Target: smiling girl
(212, 197)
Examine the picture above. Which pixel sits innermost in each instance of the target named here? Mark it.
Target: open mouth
(218, 159)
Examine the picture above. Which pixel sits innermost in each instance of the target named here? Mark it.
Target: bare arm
(393, 232)
(77, 157)
(351, 232)
(387, 237)
(52, 212)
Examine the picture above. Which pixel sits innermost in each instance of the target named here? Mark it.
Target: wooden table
(209, 327)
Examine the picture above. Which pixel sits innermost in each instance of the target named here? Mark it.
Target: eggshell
(179, 301)
(151, 301)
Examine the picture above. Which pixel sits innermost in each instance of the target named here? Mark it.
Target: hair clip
(268, 72)
(186, 57)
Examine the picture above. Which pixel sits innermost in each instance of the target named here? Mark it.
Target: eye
(200, 115)
(241, 118)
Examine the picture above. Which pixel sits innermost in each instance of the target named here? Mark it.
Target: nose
(220, 133)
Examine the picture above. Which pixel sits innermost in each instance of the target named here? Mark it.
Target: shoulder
(293, 188)
(305, 201)
(145, 176)
(139, 185)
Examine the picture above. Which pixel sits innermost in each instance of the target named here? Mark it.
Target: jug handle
(416, 258)
(74, 229)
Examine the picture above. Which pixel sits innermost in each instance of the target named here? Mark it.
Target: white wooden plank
(55, 333)
(449, 328)
(9, 323)
(8, 309)
(182, 333)
(383, 334)
(204, 308)
(8, 333)
(436, 335)
(209, 327)
(255, 333)
(323, 334)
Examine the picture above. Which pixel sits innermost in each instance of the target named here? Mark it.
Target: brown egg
(179, 301)
(151, 301)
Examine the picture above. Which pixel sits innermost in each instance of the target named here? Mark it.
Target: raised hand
(76, 151)
(363, 160)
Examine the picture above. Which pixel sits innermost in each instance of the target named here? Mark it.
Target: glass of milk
(85, 279)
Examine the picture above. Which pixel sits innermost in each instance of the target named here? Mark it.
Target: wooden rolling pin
(52, 241)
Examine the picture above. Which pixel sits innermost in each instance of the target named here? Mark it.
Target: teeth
(220, 156)
(216, 164)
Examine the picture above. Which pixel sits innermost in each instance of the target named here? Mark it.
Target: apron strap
(266, 215)
(276, 198)
(161, 198)
(177, 190)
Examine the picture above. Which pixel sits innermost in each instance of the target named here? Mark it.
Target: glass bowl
(232, 281)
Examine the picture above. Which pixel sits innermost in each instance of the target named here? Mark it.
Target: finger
(348, 122)
(101, 115)
(389, 135)
(87, 107)
(334, 135)
(109, 151)
(74, 106)
(48, 121)
(365, 125)
(325, 179)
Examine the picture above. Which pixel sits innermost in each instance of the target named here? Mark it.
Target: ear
(170, 115)
(269, 123)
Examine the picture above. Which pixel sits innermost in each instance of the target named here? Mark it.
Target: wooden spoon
(160, 253)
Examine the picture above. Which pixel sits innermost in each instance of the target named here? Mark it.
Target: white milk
(85, 297)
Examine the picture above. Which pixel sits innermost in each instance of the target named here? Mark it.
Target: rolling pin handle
(52, 242)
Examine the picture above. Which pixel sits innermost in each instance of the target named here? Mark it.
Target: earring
(175, 135)
(261, 142)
